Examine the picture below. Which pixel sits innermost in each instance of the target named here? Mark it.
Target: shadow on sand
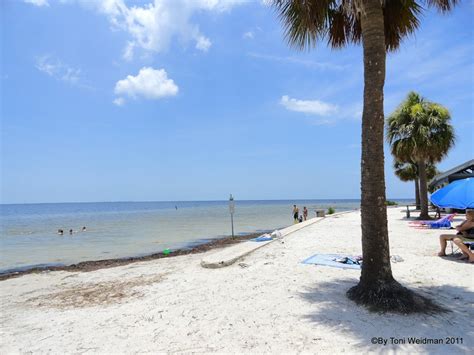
(343, 316)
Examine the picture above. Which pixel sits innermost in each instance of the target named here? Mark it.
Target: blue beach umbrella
(458, 194)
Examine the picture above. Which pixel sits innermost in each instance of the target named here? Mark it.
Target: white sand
(270, 303)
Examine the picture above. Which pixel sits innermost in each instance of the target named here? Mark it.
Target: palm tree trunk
(423, 191)
(376, 270)
(377, 288)
(417, 193)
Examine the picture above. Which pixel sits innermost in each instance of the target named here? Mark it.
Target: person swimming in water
(60, 232)
(84, 229)
(71, 231)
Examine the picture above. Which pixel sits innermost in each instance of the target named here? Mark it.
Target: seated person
(465, 233)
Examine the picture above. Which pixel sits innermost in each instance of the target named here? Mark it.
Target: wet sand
(92, 265)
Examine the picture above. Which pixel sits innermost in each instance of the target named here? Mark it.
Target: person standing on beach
(296, 212)
(305, 213)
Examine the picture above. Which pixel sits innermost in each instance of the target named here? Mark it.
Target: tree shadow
(454, 257)
(343, 316)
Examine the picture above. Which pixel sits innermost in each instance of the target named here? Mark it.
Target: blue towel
(328, 260)
(438, 225)
(262, 238)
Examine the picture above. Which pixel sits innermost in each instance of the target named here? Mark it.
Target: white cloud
(153, 26)
(150, 83)
(128, 51)
(313, 107)
(60, 71)
(203, 44)
(71, 75)
(323, 113)
(37, 2)
(248, 35)
(48, 65)
(299, 61)
(119, 101)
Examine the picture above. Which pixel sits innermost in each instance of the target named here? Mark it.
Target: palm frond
(405, 171)
(307, 22)
(420, 130)
(400, 20)
(442, 5)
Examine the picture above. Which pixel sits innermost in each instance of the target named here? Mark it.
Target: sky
(162, 100)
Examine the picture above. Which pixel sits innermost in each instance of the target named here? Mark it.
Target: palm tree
(408, 171)
(420, 131)
(380, 26)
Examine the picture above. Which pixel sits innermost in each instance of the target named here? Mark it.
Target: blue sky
(192, 100)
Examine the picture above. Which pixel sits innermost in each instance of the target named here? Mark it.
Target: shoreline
(193, 248)
(268, 302)
(92, 265)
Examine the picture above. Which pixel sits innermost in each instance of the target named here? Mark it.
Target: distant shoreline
(192, 201)
(91, 265)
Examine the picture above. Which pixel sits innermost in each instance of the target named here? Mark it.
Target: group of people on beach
(465, 233)
(71, 231)
(297, 218)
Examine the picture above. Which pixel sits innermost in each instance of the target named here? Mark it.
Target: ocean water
(28, 232)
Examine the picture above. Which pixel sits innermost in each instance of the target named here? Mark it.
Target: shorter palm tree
(420, 131)
(408, 171)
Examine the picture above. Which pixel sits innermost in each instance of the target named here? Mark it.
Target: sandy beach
(268, 302)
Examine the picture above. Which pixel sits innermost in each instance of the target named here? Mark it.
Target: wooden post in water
(232, 210)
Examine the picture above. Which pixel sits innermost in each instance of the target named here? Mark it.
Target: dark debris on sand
(92, 265)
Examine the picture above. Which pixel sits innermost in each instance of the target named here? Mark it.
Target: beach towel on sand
(262, 238)
(330, 260)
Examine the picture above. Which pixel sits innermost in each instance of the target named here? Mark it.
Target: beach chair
(470, 245)
(455, 249)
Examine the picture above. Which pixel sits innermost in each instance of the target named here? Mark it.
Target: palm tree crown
(307, 22)
(420, 130)
(405, 171)
(408, 171)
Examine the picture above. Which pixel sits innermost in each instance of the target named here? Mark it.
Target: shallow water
(28, 233)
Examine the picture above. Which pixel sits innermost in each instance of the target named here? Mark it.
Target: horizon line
(151, 201)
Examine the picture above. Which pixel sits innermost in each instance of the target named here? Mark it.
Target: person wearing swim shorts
(296, 213)
(465, 233)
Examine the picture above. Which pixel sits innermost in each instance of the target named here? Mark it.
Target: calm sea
(120, 229)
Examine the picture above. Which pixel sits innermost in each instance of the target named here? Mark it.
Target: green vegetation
(419, 131)
(391, 203)
(331, 210)
(408, 171)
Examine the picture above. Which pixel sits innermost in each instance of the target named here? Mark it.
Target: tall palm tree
(420, 131)
(408, 171)
(380, 26)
